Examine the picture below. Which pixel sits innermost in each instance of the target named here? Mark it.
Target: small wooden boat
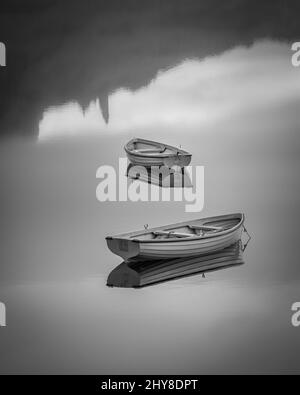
(185, 239)
(141, 274)
(151, 153)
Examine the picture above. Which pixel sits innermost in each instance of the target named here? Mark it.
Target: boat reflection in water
(162, 176)
(143, 273)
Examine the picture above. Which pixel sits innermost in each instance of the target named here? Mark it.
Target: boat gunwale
(131, 236)
(180, 151)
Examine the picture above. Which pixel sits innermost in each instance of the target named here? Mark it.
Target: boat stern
(127, 249)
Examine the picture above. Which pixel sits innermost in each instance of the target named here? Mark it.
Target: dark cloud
(59, 51)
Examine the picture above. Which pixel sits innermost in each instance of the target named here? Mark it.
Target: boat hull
(170, 161)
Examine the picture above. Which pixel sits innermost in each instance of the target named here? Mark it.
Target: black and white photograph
(150, 190)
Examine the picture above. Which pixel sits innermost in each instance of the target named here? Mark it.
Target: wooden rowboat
(141, 274)
(151, 153)
(185, 239)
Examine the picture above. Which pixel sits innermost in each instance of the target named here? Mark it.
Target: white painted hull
(170, 161)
